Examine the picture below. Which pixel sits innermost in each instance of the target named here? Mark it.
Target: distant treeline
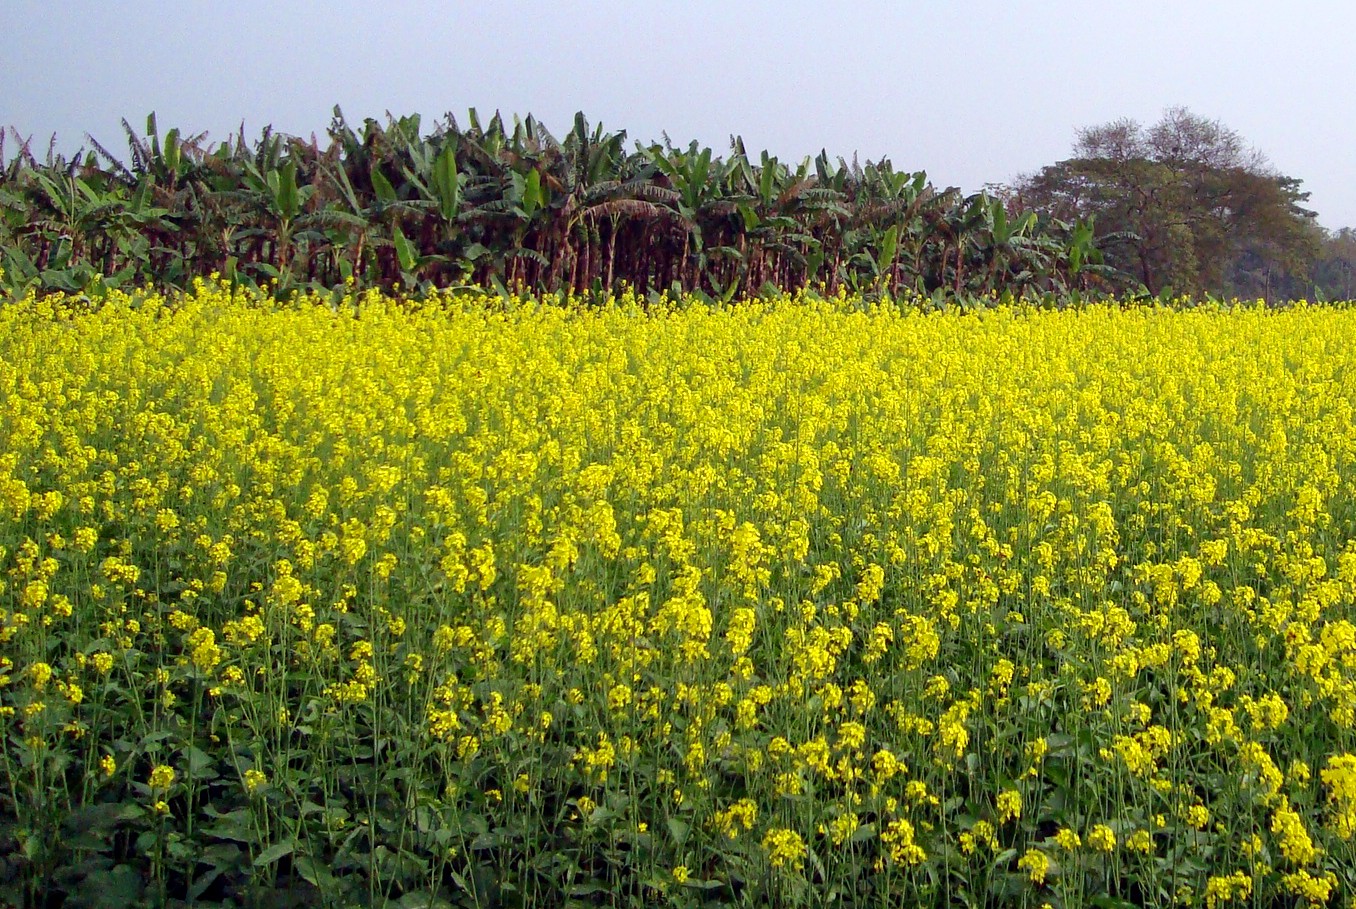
(501, 204)
(510, 204)
(1195, 211)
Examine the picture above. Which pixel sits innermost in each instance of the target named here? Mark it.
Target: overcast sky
(971, 92)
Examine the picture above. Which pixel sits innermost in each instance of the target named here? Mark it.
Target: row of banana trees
(499, 205)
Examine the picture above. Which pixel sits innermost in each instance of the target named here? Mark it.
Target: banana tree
(491, 202)
(690, 174)
(1003, 241)
(280, 201)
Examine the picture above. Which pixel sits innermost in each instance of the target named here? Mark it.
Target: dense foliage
(1186, 206)
(800, 602)
(508, 206)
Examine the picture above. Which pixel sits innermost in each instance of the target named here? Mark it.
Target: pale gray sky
(970, 92)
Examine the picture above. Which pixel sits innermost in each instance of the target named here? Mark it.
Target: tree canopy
(1183, 205)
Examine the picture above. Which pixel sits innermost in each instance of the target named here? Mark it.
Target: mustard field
(794, 603)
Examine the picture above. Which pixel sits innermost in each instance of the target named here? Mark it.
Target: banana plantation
(510, 205)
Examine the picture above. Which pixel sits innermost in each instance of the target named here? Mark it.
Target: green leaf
(730, 291)
(172, 151)
(863, 833)
(533, 195)
(205, 880)
(446, 186)
(91, 827)
(767, 180)
(382, 187)
(315, 872)
(814, 261)
(119, 886)
(679, 830)
(1103, 901)
(888, 247)
(199, 761)
(272, 854)
(235, 826)
(289, 201)
(404, 250)
(421, 901)
(749, 215)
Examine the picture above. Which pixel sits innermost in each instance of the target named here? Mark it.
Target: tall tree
(1194, 208)
(1334, 274)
